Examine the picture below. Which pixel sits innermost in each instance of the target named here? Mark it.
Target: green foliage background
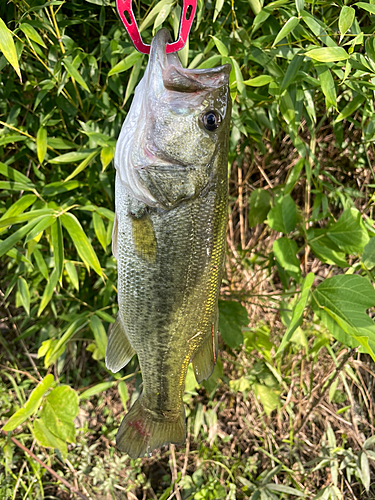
(68, 71)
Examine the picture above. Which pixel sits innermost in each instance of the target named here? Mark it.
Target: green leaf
(9, 243)
(346, 19)
(368, 256)
(72, 273)
(162, 16)
(14, 175)
(259, 81)
(81, 242)
(352, 106)
(328, 85)
(349, 233)
(149, 19)
(268, 396)
(341, 303)
(58, 246)
(72, 157)
(298, 310)
(18, 207)
(31, 32)
(106, 156)
(328, 54)
(366, 6)
(31, 405)
(83, 165)
(40, 227)
(75, 74)
(123, 392)
(60, 187)
(286, 29)
(218, 6)
(11, 138)
(97, 389)
(8, 48)
(48, 291)
(100, 335)
(100, 230)
(260, 205)
(223, 51)
(291, 71)
(125, 64)
(285, 489)
(47, 439)
(133, 79)
(232, 317)
(283, 216)
(23, 289)
(285, 251)
(40, 262)
(41, 144)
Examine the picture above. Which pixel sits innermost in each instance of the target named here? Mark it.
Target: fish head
(177, 126)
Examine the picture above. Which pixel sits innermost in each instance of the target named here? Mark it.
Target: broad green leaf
(298, 310)
(9, 243)
(326, 250)
(341, 303)
(287, 109)
(31, 405)
(285, 251)
(291, 71)
(283, 216)
(346, 19)
(125, 64)
(60, 143)
(100, 335)
(105, 316)
(76, 326)
(328, 85)
(328, 54)
(23, 289)
(366, 6)
(27, 216)
(14, 175)
(300, 5)
(75, 74)
(218, 6)
(232, 317)
(268, 396)
(11, 138)
(133, 79)
(259, 81)
(15, 186)
(149, 19)
(46, 222)
(106, 156)
(60, 187)
(47, 439)
(260, 205)
(294, 176)
(285, 489)
(48, 291)
(81, 242)
(256, 6)
(238, 74)
(220, 46)
(83, 165)
(349, 233)
(31, 32)
(41, 144)
(18, 207)
(368, 256)
(40, 262)
(72, 157)
(8, 48)
(162, 16)
(97, 389)
(100, 230)
(58, 246)
(286, 29)
(72, 273)
(352, 106)
(123, 392)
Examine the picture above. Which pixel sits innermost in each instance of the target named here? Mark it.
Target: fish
(169, 239)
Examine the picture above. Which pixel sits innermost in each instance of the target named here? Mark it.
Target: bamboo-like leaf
(23, 289)
(100, 335)
(286, 29)
(100, 230)
(74, 73)
(125, 64)
(31, 32)
(218, 6)
(346, 19)
(72, 157)
(8, 48)
(58, 246)
(223, 51)
(72, 273)
(41, 144)
(106, 156)
(9, 243)
(133, 79)
(259, 81)
(97, 389)
(328, 54)
(81, 242)
(83, 165)
(46, 222)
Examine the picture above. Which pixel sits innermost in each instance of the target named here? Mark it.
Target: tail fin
(140, 434)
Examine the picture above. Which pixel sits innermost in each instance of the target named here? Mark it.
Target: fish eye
(211, 120)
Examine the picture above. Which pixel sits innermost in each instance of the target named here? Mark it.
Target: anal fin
(119, 351)
(205, 360)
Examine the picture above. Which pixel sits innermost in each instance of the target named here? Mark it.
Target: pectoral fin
(119, 351)
(205, 360)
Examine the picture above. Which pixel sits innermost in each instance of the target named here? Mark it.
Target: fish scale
(169, 240)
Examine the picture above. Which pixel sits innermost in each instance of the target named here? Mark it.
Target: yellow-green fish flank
(169, 239)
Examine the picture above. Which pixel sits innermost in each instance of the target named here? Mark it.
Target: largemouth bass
(169, 240)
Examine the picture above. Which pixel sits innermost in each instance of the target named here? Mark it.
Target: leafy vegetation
(289, 410)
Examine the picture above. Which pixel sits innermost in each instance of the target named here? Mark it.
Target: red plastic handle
(125, 10)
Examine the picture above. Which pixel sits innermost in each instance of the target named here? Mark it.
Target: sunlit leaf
(8, 48)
